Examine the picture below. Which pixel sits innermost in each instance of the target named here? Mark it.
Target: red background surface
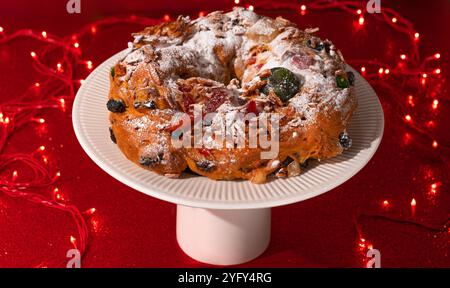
(131, 229)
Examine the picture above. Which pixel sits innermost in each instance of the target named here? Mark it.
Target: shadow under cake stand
(223, 222)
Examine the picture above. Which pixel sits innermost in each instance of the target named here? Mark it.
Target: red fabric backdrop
(130, 229)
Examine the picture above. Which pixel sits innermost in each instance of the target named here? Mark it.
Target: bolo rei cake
(227, 65)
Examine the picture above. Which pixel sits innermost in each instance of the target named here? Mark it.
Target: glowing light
(361, 21)
(81, 81)
(76, 45)
(413, 202)
(416, 36)
(359, 11)
(437, 55)
(386, 71)
(303, 7)
(380, 71)
(6, 121)
(394, 20)
(201, 14)
(93, 29)
(1, 29)
(41, 148)
(363, 69)
(89, 64)
(37, 84)
(90, 211)
(62, 101)
(251, 8)
(166, 17)
(385, 203)
(41, 120)
(15, 174)
(45, 159)
(435, 104)
(411, 100)
(433, 186)
(236, 1)
(424, 75)
(437, 71)
(73, 240)
(403, 56)
(33, 54)
(435, 144)
(58, 174)
(44, 34)
(408, 118)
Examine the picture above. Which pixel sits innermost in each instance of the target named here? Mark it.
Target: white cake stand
(223, 222)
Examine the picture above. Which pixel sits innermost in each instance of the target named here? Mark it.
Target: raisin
(147, 104)
(345, 141)
(112, 136)
(351, 78)
(205, 165)
(149, 161)
(116, 106)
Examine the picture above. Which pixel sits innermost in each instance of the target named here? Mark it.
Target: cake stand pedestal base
(223, 237)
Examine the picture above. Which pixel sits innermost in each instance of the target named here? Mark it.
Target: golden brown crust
(174, 65)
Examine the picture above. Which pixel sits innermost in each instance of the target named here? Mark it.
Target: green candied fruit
(341, 81)
(113, 72)
(283, 82)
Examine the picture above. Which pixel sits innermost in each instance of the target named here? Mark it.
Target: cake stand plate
(223, 222)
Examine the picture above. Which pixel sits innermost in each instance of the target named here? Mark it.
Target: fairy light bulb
(76, 45)
(358, 11)
(89, 64)
(408, 118)
(385, 203)
(33, 54)
(437, 71)
(416, 36)
(435, 144)
(411, 100)
(90, 211)
(93, 29)
(44, 34)
(435, 104)
(73, 240)
(201, 14)
(15, 174)
(236, 2)
(437, 55)
(363, 69)
(41, 148)
(394, 20)
(251, 8)
(361, 21)
(1, 29)
(380, 71)
(403, 56)
(413, 202)
(166, 17)
(387, 71)
(424, 75)
(41, 120)
(303, 7)
(37, 84)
